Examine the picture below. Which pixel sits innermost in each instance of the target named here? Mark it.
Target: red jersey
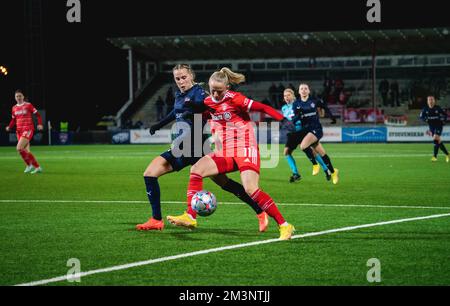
(231, 122)
(22, 117)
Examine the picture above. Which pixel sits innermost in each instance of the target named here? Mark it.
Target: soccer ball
(204, 203)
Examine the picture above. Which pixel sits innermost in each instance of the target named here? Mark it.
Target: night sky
(86, 77)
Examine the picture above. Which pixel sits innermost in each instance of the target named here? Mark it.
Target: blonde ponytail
(226, 76)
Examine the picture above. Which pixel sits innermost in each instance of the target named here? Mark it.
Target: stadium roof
(289, 44)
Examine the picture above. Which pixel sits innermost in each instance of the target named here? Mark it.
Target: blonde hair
(289, 90)
(226, 76)
(188, 68)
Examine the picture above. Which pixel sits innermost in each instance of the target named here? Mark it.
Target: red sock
(33, 160)
(195, 185)
(25, 156)
(268, 205)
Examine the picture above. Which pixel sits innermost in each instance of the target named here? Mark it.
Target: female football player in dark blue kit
(436, 117)
(188, 101)
(305, 109)
(295, 137)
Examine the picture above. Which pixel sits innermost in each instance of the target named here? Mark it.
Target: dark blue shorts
(318, 132)
(179, 163)
(436, 130)
(294, 139)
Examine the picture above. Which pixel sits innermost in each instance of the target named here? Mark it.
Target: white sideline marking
(220, 249)
(228, 203)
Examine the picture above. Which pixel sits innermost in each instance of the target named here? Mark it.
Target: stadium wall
(370, 134)
(375, 134)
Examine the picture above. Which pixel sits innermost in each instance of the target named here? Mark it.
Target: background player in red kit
(236, 148)
(22, 118)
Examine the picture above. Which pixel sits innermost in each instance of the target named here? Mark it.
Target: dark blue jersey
(435, 116)
(186, 105)
(306, 112)
(189, 103)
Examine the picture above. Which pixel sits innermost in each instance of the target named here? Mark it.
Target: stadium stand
(358, 95)
(289, 58)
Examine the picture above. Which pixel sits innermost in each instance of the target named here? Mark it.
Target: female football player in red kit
(236, 147)
(188, 101)
(22, 118)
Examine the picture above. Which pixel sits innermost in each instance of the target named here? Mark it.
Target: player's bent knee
(153, 172)
(250, 190)
(158, 167)
(149, 172)
(197, 170)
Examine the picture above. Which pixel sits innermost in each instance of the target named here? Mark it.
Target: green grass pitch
(88, 200)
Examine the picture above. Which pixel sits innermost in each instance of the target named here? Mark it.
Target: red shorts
(248, 160)
(28, 134)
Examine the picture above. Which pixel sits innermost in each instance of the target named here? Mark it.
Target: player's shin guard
(443, 148)
(195, 185)
(327, 162)
(25, 157)
(239, 191)
(154, 196)
(436, 148)
(33, 160)
(309, 153)
(268, 205)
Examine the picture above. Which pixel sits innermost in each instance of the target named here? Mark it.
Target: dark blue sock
(154, 196)
(239, 191)
(327, 162)
(436, 148)
(309, 153)
(443, 148)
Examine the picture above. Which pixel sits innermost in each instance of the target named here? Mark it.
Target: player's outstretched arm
(169, 118)
(260, 107)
